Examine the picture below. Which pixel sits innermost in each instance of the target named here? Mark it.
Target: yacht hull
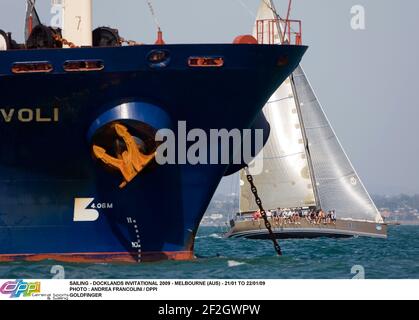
(307, 230)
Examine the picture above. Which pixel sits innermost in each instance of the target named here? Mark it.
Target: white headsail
(337, 183)
(304, 162)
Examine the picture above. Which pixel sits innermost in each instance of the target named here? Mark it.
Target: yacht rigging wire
(245, 6)
(272, 8)
(153, 14)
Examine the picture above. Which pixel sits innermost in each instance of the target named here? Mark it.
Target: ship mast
(77, 22)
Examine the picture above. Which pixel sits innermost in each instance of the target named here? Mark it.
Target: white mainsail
(304, 162)
(286, 180)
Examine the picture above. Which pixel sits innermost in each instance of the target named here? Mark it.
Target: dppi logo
(20, 287)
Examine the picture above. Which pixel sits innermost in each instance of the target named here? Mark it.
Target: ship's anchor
(131, 162)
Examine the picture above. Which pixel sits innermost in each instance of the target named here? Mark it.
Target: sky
(365, 79)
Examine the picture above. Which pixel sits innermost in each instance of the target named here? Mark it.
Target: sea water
(217, 257)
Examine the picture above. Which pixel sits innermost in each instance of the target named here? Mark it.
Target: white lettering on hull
(26, 115)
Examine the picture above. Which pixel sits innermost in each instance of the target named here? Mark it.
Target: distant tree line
(397, 202)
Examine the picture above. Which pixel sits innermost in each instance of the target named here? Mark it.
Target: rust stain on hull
(116, 257)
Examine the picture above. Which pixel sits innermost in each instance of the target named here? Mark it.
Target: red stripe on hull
(105, 257)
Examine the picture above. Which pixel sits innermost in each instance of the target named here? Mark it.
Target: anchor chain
(65, 42)
(129, 42)
(262, 211)
(70, 44)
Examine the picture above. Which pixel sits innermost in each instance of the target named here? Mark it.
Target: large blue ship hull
(47, 125)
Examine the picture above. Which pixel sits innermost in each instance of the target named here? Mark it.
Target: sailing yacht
(305, 167)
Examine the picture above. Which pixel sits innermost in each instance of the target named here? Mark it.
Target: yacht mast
(283, 34)
(306, 142)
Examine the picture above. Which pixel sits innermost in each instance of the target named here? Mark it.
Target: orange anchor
(131, 162)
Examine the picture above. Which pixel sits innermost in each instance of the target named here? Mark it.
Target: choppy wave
(232, 263)
(212, 235)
